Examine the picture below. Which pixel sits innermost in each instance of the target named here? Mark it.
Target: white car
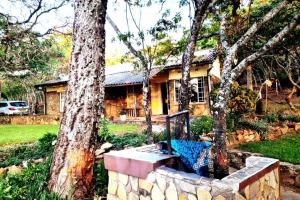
(13, 107)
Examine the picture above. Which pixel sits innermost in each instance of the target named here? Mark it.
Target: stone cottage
(123, 90)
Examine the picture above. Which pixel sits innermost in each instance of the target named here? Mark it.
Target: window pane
(201, 89)
(177, 86)
(194, 90)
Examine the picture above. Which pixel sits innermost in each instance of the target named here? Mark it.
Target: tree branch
(128, 44)
(268, 46)
(257, 25)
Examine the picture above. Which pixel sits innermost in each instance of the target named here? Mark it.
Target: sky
(116, 10)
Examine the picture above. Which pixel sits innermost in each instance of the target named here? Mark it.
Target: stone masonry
(258, 180)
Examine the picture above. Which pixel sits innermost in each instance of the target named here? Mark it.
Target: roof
(135, 77)
(116, 79)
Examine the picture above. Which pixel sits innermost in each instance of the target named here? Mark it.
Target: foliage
(42, 149)
(162, 136)
(290, 118)
(127, 140)
(271, 117)
(30, 184)
(200, 125)
(285, 149)
(242, 100)
(231, 120)
(100, 179)
(260, 126)
(104, 133)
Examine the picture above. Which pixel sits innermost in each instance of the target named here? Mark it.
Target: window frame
(198, 93)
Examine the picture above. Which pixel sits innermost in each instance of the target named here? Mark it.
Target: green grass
(285, 149)
(17, 134)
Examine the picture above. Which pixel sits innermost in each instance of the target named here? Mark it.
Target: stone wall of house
(30, 120)
(52, 103)
(258, 180)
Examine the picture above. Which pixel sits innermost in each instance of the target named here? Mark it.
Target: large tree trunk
(73, 159)
(219, 125)
(146, 103)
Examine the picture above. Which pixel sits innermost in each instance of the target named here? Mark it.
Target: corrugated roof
(116, 79)
(136, 77)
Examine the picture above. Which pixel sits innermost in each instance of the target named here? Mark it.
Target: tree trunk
(288, 99)
(73, 159)
(187, 59)
(146, 103)
(249, 77)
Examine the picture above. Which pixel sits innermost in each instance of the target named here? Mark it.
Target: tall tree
(233, 66)
(200, 14)
(73, 159)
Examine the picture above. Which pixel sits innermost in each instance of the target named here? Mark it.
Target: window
(18, 104)
(197, 89)
(2, 105)
(61, 101)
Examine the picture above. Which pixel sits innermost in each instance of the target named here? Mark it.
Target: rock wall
(258, 180)
(30, 120)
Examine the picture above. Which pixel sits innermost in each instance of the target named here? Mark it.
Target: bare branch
(126, 42)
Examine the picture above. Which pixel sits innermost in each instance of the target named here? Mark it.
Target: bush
(162, 136)
(290, 118)
(271, 118)
(261, 127)
(200, 125)
(100, 179)
(128, 139)
(104, 132)
(30, 184)
(42, 149)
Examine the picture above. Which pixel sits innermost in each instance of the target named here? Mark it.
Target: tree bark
(146, 103)
(201, 10)
(73, 159)
(288, 99)
(249, 77)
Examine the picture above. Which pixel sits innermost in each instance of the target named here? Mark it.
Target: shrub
(42, 149)
(100, 179)
(261, 127)
(201, 125)
(128, 139)
(104, 132)
(30, 184)
(290, 118)
(271, 118)
(162, 136)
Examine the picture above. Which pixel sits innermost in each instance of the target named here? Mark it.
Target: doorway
(164, 97)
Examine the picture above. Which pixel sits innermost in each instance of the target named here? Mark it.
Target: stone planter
(142, 173)
(123, 118)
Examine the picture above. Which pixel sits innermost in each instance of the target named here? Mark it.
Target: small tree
(147, 55)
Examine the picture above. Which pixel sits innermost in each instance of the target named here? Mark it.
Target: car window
(2, 105)
(18, 104)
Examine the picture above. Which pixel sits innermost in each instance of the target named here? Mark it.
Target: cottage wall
(53, 99)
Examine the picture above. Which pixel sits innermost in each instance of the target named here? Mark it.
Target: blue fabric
(194, 155)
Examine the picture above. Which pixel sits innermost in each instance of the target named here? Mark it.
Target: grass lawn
(285, 149)
(16, 134)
